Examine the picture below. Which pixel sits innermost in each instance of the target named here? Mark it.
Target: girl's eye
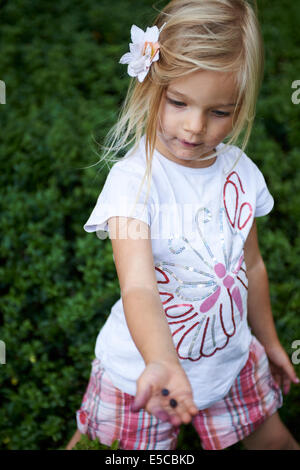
(221, 113)
(179, 104)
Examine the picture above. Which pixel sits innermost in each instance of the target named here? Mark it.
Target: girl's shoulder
(237, 159)
(132, 162)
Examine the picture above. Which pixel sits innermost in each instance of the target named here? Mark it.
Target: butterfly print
(204, 313)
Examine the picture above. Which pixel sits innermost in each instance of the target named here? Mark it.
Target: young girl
(192, 336)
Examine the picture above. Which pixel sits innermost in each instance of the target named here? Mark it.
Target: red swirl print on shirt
(203, 312)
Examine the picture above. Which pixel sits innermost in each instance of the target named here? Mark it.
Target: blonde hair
(218, 35)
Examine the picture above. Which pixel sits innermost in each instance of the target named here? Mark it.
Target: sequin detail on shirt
(214, 303)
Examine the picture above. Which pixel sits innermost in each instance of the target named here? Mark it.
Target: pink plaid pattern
(105, 411)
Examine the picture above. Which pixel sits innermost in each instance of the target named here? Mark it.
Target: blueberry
(173, 403)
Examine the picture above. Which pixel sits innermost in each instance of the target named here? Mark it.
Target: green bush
(59, 61)
(86, 444)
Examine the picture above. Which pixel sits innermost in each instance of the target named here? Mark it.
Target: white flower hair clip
(144, 50)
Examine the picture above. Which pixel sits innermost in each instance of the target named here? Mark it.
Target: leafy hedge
(59, 61)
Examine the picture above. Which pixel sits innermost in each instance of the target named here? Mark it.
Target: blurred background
(64, 88)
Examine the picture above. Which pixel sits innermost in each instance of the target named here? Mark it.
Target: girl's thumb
(141, 398)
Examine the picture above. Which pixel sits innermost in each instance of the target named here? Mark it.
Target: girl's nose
(195, 122)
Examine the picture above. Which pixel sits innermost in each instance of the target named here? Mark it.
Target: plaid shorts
(105, 412)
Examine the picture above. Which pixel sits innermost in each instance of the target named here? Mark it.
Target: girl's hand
(281, 367)
(159, 376)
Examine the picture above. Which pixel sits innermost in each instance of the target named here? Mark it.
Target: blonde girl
(192, 337)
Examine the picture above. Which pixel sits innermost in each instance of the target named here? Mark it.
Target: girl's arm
(260, 317)
(147, 322)
(143, 309)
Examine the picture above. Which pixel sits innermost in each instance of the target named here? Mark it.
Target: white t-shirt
(199, 220)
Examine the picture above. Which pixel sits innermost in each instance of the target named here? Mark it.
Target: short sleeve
(264, 200)
(118, 197)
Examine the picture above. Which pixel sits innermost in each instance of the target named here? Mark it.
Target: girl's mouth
(188, 144)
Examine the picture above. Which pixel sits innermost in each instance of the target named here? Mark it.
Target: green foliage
(86, 444)
(64, 85)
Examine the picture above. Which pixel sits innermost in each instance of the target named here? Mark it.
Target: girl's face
(195, 115)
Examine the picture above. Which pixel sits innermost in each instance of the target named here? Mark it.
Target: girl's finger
(286, 385)
(290, 372)
(165, 413)
(277, 379)
(176, 420)
(191, 407)
(181, 410)
(161, 414)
